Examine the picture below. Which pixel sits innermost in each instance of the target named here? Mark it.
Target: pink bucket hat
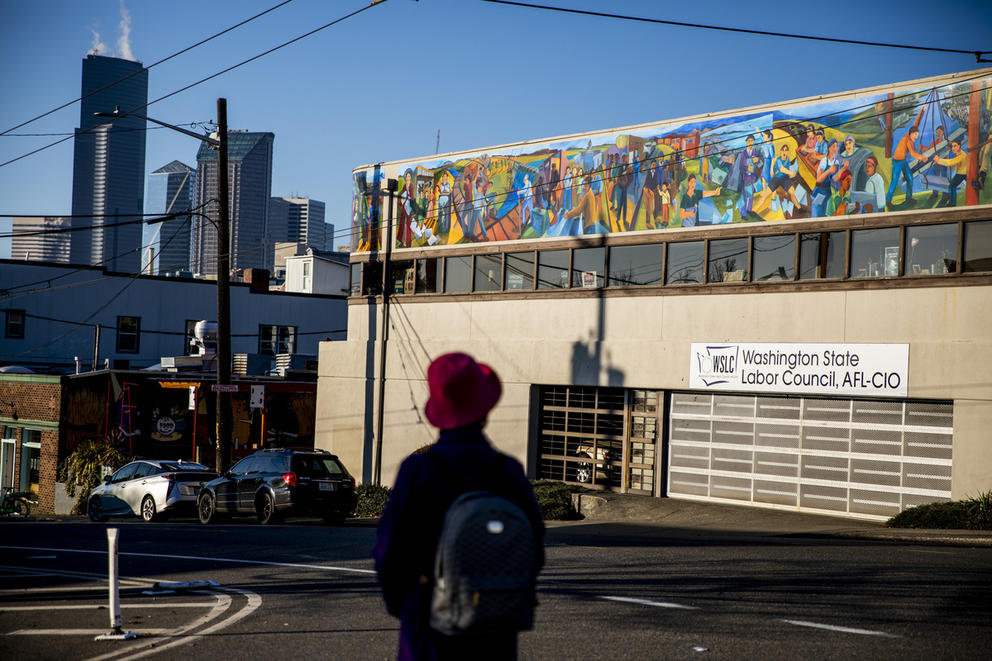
(462, 390)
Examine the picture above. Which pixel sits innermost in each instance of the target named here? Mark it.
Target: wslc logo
(718, 363)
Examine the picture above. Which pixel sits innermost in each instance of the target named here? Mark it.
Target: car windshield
(317, 466)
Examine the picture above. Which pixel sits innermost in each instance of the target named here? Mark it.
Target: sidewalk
(603, 507)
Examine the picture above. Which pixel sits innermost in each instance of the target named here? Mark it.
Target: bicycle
(15, 503)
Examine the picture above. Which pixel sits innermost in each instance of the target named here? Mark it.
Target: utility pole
(223, 461)
(384, 335)
(223, 224)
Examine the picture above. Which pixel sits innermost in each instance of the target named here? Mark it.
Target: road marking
(293, 565)
(68, 588)
(830, 627)
(648, 602)
(78, 632)
(80, 607)
(142, 649)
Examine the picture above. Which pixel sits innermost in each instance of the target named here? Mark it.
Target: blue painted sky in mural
(379, 87)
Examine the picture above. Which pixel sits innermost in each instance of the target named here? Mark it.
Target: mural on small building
(925, 148)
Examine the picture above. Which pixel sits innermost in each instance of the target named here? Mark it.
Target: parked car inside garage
(150, 488)
(274, 483)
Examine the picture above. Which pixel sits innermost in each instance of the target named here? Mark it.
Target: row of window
(911, 250)
(272, 338)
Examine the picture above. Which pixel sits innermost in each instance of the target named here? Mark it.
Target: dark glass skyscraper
(250, 177)
(109, 165)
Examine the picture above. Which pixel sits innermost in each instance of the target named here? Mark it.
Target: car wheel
(583, 474)
(148, 511)
(94, 508)
(265, 508)
(207, 508)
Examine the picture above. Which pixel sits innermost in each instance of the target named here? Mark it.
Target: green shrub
(371, 499)
(555, 499)
(972, 514)
(83, 469)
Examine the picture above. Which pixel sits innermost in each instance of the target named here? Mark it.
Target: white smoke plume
(98, 48)
(124, 41)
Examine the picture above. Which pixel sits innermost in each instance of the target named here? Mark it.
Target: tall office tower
(302, 218)
(27, 244)
(170, 190)
(250, 184)
(108, 168)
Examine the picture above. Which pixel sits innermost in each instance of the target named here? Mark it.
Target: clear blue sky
(379, 86)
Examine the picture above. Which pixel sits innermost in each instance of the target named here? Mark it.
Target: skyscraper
(302, 220)
(250, 178)
(109, 165)
(26, 244)
(170, 190)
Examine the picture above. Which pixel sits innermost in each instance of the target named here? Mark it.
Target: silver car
(150, 488)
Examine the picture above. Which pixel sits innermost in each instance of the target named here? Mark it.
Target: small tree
(84, 469)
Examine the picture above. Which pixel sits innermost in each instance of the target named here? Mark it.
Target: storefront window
(356, 279)
(978, 246)
(458, 274)
(685, 263)
(488, 272)
(552, 269)
(403, 277)
(727, 260)
(773, 258)
(588, 267)
(821, 255)
(426, 276)
(372, 282)
(632, 266)
(519, 270)
(931, 249)
(875, 253)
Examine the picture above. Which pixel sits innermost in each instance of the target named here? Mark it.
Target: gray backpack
(485, 568)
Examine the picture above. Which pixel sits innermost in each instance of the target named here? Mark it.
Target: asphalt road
(610, 590)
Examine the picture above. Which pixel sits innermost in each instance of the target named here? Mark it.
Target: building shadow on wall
(589, 360)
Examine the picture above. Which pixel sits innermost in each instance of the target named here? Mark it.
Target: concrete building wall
(643, 342)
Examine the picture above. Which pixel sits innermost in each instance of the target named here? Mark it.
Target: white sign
(257, 399)
(861, 370)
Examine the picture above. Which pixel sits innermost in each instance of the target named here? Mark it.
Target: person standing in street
(462, 393)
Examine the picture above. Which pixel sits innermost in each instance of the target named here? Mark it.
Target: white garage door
(861, 457)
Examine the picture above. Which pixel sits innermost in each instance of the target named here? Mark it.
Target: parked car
(584, 469)
(274, 483)
(150, 488)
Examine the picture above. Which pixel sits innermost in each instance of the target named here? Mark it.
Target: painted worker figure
(900, 167)
(462, 393)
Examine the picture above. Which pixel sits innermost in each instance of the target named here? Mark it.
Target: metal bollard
(116, 632)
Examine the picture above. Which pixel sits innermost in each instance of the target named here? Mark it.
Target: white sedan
(150, 488)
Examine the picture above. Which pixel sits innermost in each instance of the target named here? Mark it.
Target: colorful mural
(917, 149)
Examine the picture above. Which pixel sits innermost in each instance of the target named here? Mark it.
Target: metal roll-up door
(870, 458)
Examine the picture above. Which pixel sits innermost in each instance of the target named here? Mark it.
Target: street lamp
(223, 385)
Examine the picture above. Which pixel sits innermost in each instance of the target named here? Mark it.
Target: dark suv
(273, 483)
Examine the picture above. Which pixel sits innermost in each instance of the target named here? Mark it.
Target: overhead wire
(150, 66)
(205, 79)
(856, 42)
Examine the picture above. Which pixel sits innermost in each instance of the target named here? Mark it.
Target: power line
(118, 130)
(958, 51)
(203, 80)
(154, 64)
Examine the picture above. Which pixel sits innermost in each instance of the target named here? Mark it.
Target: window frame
(122, 345)
(13, 328)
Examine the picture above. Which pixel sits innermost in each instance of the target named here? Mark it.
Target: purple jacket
(410, 527)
